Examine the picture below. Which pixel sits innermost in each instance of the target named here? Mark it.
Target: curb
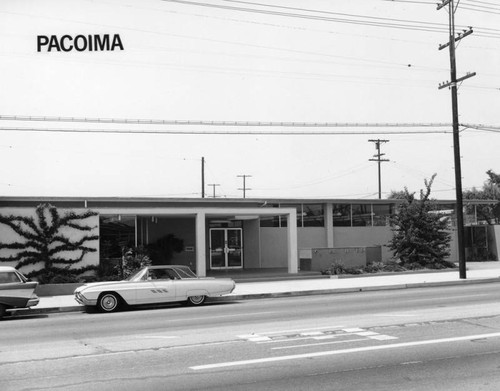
(251, 296)
(257, 296)
(47, 310)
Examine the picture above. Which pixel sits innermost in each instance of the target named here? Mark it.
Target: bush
(337, 268)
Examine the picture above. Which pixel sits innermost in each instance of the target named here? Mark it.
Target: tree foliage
(489, 212)
(420, 238)
(55, 241)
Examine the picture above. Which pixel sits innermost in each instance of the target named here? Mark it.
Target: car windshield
(135, 276)
(185, 272)
(182, 271)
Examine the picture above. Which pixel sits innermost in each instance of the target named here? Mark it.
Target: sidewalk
(480, 272)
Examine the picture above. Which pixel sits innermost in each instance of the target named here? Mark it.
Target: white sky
(192, 62)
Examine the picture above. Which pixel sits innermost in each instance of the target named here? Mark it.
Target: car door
(164, 287)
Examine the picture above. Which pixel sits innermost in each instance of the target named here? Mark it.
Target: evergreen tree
(42, 241)
(420, 237)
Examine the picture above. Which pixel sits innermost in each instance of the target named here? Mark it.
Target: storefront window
(313, 215)
(269, 221)
(116, 233)
(382, 214)
(361, 215)
(341, 215)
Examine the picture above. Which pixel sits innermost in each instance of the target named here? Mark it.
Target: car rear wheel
(108, 302)
(196, 300)
(3, 311)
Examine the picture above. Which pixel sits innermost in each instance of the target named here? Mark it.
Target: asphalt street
(436, 338)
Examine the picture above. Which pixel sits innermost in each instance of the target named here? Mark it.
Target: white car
(16, 291)
(153, 284)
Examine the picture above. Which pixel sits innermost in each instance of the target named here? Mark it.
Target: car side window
(161, 274)
(8, 277)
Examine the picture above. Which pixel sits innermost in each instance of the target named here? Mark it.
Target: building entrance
(226, 248)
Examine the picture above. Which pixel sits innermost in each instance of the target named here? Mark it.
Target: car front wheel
(196, 300)
(108, 302)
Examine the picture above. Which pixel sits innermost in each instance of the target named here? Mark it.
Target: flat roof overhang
(141, 202)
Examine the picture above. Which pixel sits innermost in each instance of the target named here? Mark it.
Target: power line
(135, 121)
(376, 22)
(218, 132)
(425, 127)
(399, 24)
(336, 13)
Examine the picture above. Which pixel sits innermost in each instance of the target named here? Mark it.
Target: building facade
(222, 234)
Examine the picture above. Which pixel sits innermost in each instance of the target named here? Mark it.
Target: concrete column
(330, 241)
(293, 262)
(201, 256)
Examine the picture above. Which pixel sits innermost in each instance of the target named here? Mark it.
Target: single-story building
(221, 233)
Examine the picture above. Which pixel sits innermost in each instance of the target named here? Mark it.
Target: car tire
(3, 311)
(196, 300)
(108, 302)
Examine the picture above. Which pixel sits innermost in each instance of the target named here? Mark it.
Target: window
(341, 215)
(361, 215)
(381, 214)
(185, 272)
(313, 215)
(116, 234)
(8, 277)
(308, 215)
(269, 221)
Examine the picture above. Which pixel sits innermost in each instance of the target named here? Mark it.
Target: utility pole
(244, 184)
(456, 135)
(379, 159)
(202, 177)
(213, 187)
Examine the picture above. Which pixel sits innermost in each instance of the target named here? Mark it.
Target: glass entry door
(226, 248)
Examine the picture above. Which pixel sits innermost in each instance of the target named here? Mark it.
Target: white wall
(7, 235)
(363, 237)
(311, 237)
(273, 244)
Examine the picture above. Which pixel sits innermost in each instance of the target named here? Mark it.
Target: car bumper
(83, 300)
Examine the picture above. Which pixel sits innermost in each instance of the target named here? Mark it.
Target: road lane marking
(291, 331)
(156, 336)
(342, 351)
(320, 334)
(301, 331)
(318, 344)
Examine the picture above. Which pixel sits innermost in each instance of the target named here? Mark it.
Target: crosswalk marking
(317, 335)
